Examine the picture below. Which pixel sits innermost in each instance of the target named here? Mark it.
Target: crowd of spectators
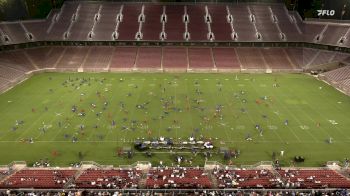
(179, 177)
(173, 178)
(108, 179)
(236, 178)
(340, 192)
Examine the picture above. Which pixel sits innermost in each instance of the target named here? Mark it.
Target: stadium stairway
(143, 179)
(60, 58)
(16, 168)
(75, 177)
(212, 179)
(69, 183)
(30, 60)
(289, 59)
(3, 178)
(344, 172)
(278, 175)
(9, 175)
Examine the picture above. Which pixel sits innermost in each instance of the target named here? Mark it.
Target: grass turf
(300, 99)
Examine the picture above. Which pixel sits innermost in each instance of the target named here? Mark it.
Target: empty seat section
(311, 31)
(347, 43)
(15, 32)
(308, 55)
(174, 58)
(40, 55)
(81, 28)
(4, 84)
(276, 58)
(10, 74)
(174, 28)
(333, 34)
(250, 58)
(285, 23)
(130, 25)
(64, 20)
(295, 55)
(152, 26)
(18, 60)
(9, 59)
(323, 57)
(149, 57)
(124, 57)
(344, 85)
(73, 57)
(98, 58)
(220, 26)
(337, 75)
(242, 24)
(200, 58)
(53, 55)
(342, 57)
(107, 22)
(264, 23)
(37, 29)
(197, 27)
(226, 58)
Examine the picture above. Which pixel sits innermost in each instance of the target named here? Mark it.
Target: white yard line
(187, 101)
(119, 141)
(140, 89)
(39, 119)
(274, 131)
(74, 114)
(161, 111)
(176, 130)
(110, 130)
(294, 117)
(322, 116)
(251, 120)
(228, 105)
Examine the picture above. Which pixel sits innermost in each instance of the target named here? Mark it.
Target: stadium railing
(259, 164)
(136, 165)
(333, 162)
(229, 190)
(16, 163)
(93, 163)
(209, 165)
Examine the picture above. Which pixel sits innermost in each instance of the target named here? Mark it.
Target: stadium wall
(199, 44)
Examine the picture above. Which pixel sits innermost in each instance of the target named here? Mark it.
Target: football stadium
(175, 97)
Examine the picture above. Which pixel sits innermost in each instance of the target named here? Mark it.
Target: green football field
(222, 107)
